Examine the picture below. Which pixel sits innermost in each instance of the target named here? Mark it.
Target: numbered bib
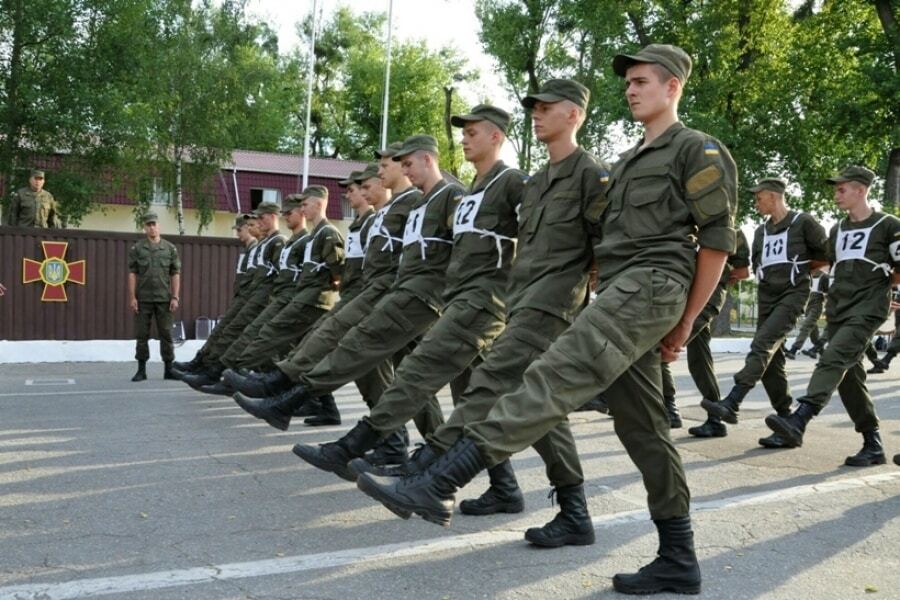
(851, 245)
(774, 250)
(466, 211)
(412, 233)
(354, 244)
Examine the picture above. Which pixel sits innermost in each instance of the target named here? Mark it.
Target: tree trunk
(892, 179)
(179, 201)
(889, 24)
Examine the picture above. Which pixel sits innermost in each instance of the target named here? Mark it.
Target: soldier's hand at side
(2, 289)
(671, 345)
(134, 305)
(173, 304)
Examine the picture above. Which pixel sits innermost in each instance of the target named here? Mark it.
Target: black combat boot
(712, 427)
(260, 386)
(141, 374)
(335, 456)
(728, 409)
(571, 525)
(791, 352)
(276, 410)
(672, 411)
(204, 377)
(775, 440)
(597, 403)
(219, 388)
(310, 408)
(675, 568)
(187, 367)
(429, 494)
(897, 459)
(813, 352)
(503, 496)
(792, 427)
(872, 452)
(392, 450)
(328, 413)
(421, 457)
(167, 370)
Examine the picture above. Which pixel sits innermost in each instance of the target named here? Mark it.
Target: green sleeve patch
(702, 180)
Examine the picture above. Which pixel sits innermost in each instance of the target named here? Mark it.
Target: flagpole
(309, 89)
(387, 76)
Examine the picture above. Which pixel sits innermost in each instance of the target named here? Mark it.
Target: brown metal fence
(99, 309)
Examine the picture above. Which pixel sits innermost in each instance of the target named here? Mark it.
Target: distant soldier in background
(154, 282)
(33, 206)
(809, 326)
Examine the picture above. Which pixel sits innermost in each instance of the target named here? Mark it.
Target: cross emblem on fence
(54, 271)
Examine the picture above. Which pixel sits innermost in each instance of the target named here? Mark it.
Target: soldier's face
(151, 229)
(389, 171)
(477, 140)
(253, 227)
(551, 120)
(415, 167)
(765, 203)
(36, 183)
(293, 218)
(849, 194)
(648, 97)
(372, 190)
(357, 198)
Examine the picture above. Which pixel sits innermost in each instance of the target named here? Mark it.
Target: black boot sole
(135, 379)
(312, 456)
(643, 590)
(277, 421)
(766, 443)
(869, 462)
(706, 434)
(716, 409)
(675, 424)
(571, 539)
(791, 435)
(402, 510)
(503, 507)
(321, 421)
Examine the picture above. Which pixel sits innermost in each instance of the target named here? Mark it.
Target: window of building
(260, 195)
(160, 195)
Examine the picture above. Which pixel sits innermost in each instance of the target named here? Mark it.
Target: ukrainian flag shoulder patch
(710, 149)
(604, 177)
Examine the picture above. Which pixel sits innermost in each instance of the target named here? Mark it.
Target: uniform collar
(488, 177)
(663, 140)
(782, 224)
(298, 235)
(322, 224)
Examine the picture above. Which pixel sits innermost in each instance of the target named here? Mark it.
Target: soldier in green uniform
(809, 325)
(33, 206)
(305, 289)
(675, 189)
(412, 306)
(154, 282)
(787, 247)
(880, 365)
(864, 251)
(699, 356)
(247, 230)
(474, 313)
(268, 252)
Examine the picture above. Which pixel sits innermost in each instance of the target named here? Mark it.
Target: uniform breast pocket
(143, 263)
(646, 208)
(529, 219)
(562, 219)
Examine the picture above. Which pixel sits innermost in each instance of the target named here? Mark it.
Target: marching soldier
(673, 190)
(880, 365)
(33, 206)
(154, 282)
(809, 326)
(787, 247)
(864, 251)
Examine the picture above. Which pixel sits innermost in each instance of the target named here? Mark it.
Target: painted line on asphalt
(46, 381)
(102, 586)
(96, 392)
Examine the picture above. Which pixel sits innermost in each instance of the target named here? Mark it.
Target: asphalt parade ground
(154, 491)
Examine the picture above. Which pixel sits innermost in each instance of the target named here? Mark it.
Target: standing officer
(786, 248)
(154, 282)
(675, 189)
(809, 326)
(33, 206)
(864, 251)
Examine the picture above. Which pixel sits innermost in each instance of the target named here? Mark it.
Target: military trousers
(766, 360)
(894, 346)
(254, 305)
(809, 324)
(444, 355)
(528, 334)
(699, 356)
(277, 336)
(276, 303)
(146, 314)
(840, 368)
(221, 324)
(611, 347)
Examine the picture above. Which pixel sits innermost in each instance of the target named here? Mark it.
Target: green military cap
(390, 151)
(291, 202)
(557, 90)
(37, 173)
(352, 178)
(267, 208)
(239, 221)
(671, 57)
(771, 184)
(415, 143)
(316, 191)
(151, 217)
(483, 112)
(854, 173)
(369, 172)
(250, 216)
